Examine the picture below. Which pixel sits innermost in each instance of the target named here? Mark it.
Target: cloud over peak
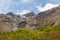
(24, 12)
(46, 7)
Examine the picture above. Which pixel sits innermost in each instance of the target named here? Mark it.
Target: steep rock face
(29, 14)
(49, 17)
(22, 24)
(10, 14)
(30, 19)
(31, 22)
(7, 23)
(18, 21)
(11, 22)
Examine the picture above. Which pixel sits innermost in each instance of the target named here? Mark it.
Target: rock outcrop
(49, 18)
(7, 23)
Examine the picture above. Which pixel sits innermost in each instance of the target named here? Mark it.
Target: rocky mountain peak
(10, 14)
(29, 14)
(48, 18)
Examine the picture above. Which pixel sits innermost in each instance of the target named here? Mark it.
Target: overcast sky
(21, 6)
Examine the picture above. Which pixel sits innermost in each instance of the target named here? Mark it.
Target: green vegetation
(46, 33)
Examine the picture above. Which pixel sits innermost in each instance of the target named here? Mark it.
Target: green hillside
(47, 33)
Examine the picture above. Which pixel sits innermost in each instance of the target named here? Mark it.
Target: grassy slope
(47, 33)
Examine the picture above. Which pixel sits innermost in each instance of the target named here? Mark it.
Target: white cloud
(23, 12)
(47, 7)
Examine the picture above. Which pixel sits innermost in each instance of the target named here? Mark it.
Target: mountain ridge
(10, 22)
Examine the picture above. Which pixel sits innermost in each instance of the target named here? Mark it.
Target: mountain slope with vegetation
(47, 33)
(44, 26)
